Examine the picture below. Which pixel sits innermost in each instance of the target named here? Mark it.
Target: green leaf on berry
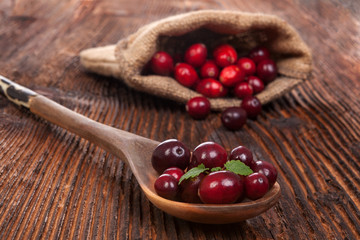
(194, 172)
(238, 167)
(215, 169)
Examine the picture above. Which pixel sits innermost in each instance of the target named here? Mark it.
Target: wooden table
(55, 185)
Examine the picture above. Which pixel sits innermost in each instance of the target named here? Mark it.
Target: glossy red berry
(189, 189)
(233, 118)
(162, 63)
(170, 153)
(256, 84)
(221, 187)
(185, 74)
(209, 70)
(243, 154)
(224, 55)
(258, 54)
(252, 106)
(211, 88)
(166, 186)
(210, 154)
(247, 66)
(198, 107)
(243, 89)
(256, 186)
(196, 55)
(266, 70)
(267, 169)
(231, 75)
(175, 172)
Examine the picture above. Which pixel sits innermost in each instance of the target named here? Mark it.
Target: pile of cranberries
(209, 174)
(219, 74)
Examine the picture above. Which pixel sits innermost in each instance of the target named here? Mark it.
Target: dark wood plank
(54, 185)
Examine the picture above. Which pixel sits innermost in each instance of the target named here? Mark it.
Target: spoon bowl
(136, 151)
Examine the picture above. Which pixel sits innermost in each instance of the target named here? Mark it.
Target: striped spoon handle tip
(16, 93)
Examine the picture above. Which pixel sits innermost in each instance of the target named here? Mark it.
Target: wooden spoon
(136, 151)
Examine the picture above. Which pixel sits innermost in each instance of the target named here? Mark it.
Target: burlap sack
(127, 58)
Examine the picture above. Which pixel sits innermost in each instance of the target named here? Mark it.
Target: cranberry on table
(198, 107)
(231, 75)
(256, 84)
(267, 169)
(243, 154)
(196, 55)
(209, 70)
(211, 88)
(166, 186)
(258, 54)
(170, 153)
(185, 74)
(189, 189)
(162, 63)
(222, 187)
(233, 118)
(243, 89)
(175, 172)
(252, 106)
(224, 55)
(210, 154)
(247, 65)
(256, 185)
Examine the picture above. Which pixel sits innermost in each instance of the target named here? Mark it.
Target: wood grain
(55, 185)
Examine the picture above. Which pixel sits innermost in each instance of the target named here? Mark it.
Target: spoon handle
(111, 139)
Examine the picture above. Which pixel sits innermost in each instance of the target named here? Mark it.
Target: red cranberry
(221, 187)
(210, 154)
(256, 185)
(266, 70)
(233, 118)
(196, 55)
(162, 63)
(211, 88)
(209, 70)
(175, 172)
(267, 169)
(256, 84)
(189, 189)
(198, 107)
(185, 74)
(225, 55)
(247, 66)
(258, 54)
(252, 106)
(231, 75)
(170, 153)
(243, 154)
(243, 89)
(166, 186)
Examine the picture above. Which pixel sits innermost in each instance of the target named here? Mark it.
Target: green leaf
(215, 169)
(194, 172)
(238, 167)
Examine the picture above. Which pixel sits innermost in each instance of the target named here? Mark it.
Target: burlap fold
(127, 58)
